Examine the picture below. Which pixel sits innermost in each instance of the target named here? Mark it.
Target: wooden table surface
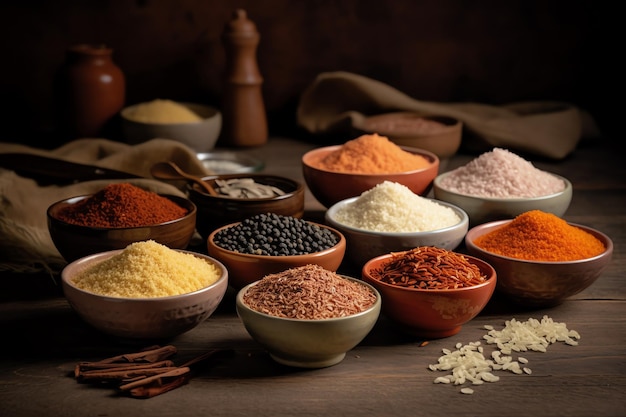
(386, 375)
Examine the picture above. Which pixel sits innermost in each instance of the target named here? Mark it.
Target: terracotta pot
(92, 90)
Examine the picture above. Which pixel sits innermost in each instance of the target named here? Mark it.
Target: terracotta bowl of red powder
(431, 313)
(74, 241)
(330, 187)
(540, 284)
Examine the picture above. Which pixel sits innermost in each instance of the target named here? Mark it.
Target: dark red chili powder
(122, 205)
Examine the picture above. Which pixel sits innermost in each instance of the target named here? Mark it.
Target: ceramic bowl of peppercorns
(338, 172)
(431, 292)
(116, 216)
(541, 259)
(269, 243)
(239, 196)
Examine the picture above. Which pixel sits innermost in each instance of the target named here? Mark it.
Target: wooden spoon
(171, 171)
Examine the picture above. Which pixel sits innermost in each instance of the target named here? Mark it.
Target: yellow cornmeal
(162, 111)
(148, 269)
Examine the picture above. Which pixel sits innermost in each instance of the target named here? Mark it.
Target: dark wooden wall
(440, 50)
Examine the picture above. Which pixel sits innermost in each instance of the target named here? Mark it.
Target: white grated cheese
(393, 207)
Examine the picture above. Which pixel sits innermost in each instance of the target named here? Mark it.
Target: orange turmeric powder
(539, 236)
(372, 154)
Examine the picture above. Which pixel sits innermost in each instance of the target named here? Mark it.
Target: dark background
(492, 52)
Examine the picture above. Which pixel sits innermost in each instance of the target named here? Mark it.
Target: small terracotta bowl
(142, 318)
(308, 343)
(218, 211)
(363, 245)
(75, 241)
(245, 268)
(440, 135)
(485, 209)
(538, 284)
(432, 313)
(330, 187)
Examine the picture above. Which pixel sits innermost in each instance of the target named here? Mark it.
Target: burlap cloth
(25, 244)
(338, 102)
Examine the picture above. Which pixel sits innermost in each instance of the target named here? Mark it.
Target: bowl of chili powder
(116, 216)
(541, 259)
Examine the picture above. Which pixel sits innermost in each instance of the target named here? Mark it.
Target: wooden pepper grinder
(244, 118)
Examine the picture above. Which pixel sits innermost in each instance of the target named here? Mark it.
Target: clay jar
(91, 90)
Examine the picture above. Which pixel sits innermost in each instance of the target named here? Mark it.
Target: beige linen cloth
(25, 244)
(338, 102)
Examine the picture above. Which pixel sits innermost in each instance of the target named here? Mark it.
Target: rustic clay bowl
(200, 136)
(540, 284)
(218, 211)
(363, 245)
(142, 318)
(484, 209)
(244, 268)
(307, 343)
(440, 135)
(432, 313)
(330, 187)
(75, 241)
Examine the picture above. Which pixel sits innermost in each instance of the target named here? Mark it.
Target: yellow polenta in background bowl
(145, 291)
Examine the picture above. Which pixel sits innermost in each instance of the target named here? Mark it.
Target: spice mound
(501, 174)
(148, 269)
(539, 236)
(122, 205)
(372, 154)
(308, 292)
(429, 268)
(393, 207)
(162, 111)
(272, 234)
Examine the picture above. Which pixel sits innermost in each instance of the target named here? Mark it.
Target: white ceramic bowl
(142, 318)
(308, 343)
(485, 209)
(200, 136)
(363, 245)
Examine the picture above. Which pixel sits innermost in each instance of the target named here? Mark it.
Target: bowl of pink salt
(308, 316)
(541, 259)
(335, 173)
(117, 215)
(499, 185)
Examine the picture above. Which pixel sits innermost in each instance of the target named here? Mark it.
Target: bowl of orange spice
(338, 172)
(117, 215)
(540, 258)
(430, 292)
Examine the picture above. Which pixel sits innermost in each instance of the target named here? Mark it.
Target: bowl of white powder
(500, 185)
(391, 218)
